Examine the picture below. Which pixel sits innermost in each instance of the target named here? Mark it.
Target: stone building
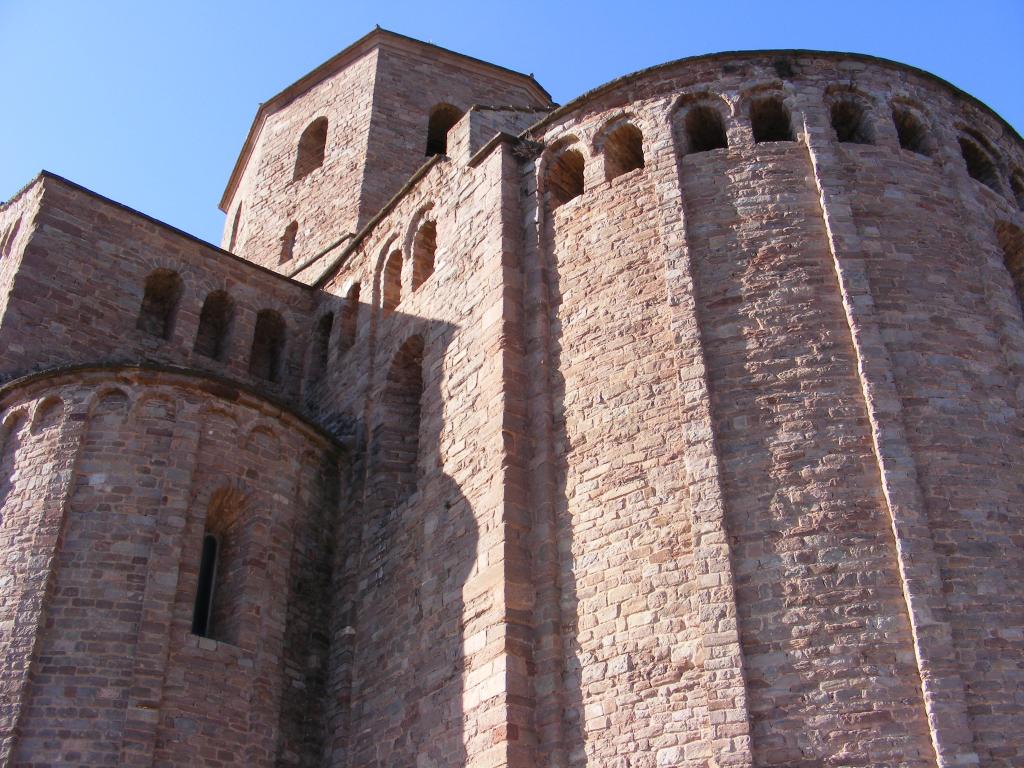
(680, 425)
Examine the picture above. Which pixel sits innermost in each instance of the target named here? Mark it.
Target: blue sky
(149, 102)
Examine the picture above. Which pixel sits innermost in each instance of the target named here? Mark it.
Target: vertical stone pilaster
(941, 684)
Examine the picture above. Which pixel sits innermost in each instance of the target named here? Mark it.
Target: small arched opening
(910, 130)
(979, 163)
(1011, 241)
(160, 303)
(565, 177)
(770, 120)
(623, 151)
(850, 122)
(321, 346)
(312, 146)
(443, 117)
(214, 324)
(391, 283)
(1017, 187)
(398, 430)
(349, 320)
(424, 245)
(705, 129)
(268, 339)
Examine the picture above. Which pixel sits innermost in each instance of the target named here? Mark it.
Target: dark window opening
(234, 229)
(443, 117)
(349, 320)
(267, 345)
(312, 146)
(623, 151)
(398, 432)
(159, 303)
(979, 164)
(1011, 241)
(851, 124)
(770, 121)
(423, 249)
(214, 323)
(321, 346)
(391, 283)
(565, 177)
(288, 242)
(705, 130)
(911, 132)
(203, 609)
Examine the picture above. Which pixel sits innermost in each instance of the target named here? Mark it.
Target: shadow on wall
(418, 547)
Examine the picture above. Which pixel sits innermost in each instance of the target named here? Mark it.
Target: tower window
(1017, 187)
(979, 163)
(312, 145)
(770, 120)
(159, 303)
(705, 130)
(288, 242)
(214, 322)
(442, 118)
(349, 319)
(423, 247)
(321, 346)
(267, 345)
(399, 428)
(911, 132)
(850, 122)
(565, 177)
(391, 283)
(204, 589)
(623, 151)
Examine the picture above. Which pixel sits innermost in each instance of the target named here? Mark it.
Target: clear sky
(148, 102)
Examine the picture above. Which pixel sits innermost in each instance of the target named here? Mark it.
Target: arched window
(288, 242)
(911, 131)
(321, 346)
(979, 163)
(398, 429)
(391, 283)
(442, 118)
(214, 323)
(423, 247)
(348, 323)
(623, 151)
(267, 345)
(1017, 187)
(850, 122)
(565, 177)
(159, 303)
(769, 120)
(704, 129)
(204, 588)
(312, 144)
(218, 610)
(234, 228)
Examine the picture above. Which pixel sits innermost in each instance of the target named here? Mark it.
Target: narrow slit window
(349, 320)
(312, 146)
(1017, 187)
(623, 151)
(391, 283)
(850, 123)
(159, 303)
(321, 346)
(770, 121)
(565, 177)
(288, 242)
(705, 130)
(397, 435)
(203, 608)
(234, 229)
(423, 249)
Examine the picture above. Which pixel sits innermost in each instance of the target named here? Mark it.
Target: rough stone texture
(714, 463)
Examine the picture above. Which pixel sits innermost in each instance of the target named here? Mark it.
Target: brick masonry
(713, 464)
